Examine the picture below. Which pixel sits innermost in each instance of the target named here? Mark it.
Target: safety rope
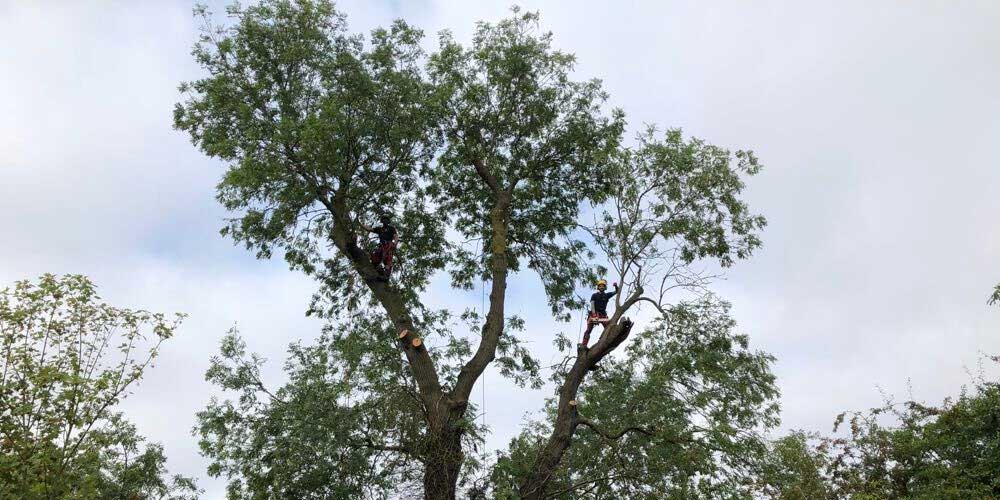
(482, 313)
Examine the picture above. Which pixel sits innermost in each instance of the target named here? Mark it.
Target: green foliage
(301, 110)
(67, 361)
(348, 422)
(795, 470)
(693, 193)
(907, 451)
(678, 417)
(995, 298)
(329, 432)
(946, 452)
(513, 112)
(675, 200)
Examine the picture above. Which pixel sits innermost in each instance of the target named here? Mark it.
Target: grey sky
(878, 127)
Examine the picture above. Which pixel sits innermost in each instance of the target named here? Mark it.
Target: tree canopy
(68, 360)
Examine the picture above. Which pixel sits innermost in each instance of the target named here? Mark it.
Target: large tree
(67, 361)
(490, 158)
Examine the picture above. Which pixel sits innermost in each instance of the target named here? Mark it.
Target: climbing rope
(482, 312)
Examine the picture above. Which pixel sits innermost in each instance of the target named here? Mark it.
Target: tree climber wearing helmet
(598, 308)
(388, 238)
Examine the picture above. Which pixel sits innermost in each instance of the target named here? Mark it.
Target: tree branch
(612, 436)
(372, 445)
(494, 324)
(583, 483)
(391, 300)
(486, 175)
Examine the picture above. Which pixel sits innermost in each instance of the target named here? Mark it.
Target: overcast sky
(878, 127)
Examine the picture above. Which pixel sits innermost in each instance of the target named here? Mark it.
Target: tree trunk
(443, 462)
(567, 417)
(548, 461)
(560, 439)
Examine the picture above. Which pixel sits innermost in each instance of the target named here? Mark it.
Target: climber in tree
(598, 309)
(388, 238)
